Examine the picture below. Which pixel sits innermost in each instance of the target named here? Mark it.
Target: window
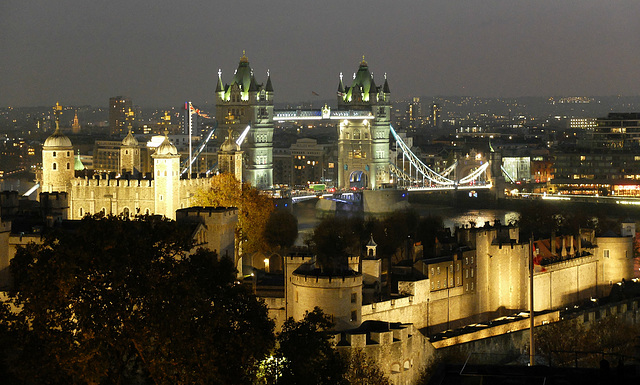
(466, 273)
(81, 212)
(472, 286)
(466, 260)
(472, 260)
(438, 270)
(438, 284)
(433, 285)
(472, 269)
(354, 297)
(55, 166)
(354, 316)
(68, 166)
(605, 252)
(54, 154)
(432, 274)
(68, 153)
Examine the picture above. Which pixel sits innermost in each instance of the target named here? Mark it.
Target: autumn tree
(115, 301)
(254, 208)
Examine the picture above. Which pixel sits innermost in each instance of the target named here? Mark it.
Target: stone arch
(358, 179)
(125, 212)
(395, 367)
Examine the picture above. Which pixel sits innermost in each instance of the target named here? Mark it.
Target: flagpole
(532, 357)
(190, 147)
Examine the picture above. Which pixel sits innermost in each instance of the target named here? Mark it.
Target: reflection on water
(307, 220)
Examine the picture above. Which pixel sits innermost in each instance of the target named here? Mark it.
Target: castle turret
(130, 155)
(57, 162)
(166, 171)
(230, 157)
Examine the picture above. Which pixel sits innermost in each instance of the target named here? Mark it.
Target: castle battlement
(377, 333)
(563, 264)
(326, 281)
(108, 182)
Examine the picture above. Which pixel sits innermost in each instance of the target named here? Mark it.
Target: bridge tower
(244, 103)
(495, 173)
(363, 145)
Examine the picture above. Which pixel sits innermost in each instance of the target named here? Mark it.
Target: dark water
(307, 219)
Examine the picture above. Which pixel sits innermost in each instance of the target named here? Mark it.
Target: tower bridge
(371, 154)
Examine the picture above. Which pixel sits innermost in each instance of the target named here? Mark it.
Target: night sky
(161, 53)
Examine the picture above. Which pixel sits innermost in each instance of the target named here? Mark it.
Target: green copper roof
(363, 84)
(78, 166)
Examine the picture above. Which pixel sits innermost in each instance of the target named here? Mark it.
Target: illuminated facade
(245, 103)
(363, 145)
(162, 193)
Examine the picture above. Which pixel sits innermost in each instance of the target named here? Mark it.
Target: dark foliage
(281, 229)
(121, 301)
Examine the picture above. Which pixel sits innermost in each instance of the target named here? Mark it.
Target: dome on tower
(57, 139)
(130, 140)
(166, 148)
(229, 144)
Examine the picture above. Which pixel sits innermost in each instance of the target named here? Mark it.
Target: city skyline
(159, 54)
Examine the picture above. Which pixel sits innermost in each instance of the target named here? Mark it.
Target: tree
(281, 230)
(255, 208)
(122, 301)
(362, 370)
(305, 354)
(334, 239)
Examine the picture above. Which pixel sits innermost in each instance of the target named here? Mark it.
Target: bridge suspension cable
(424, 172)
(420, 167)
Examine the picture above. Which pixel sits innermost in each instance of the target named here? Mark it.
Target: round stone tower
(339, 296)
(57, 162)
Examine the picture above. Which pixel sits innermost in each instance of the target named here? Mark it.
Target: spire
(385, 88)
(244, 58)
(340, 85)
(364, 63)
(219, 87)
(253, 86)
(269, 86)
(78, 165)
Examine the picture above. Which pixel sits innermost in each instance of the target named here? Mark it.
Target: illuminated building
(121, 115)
(363, 145)
(436, 115)
(605, 162)
(162, 192)
(307, 162)
(75, 127)
(583, 123)
(245, 103)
